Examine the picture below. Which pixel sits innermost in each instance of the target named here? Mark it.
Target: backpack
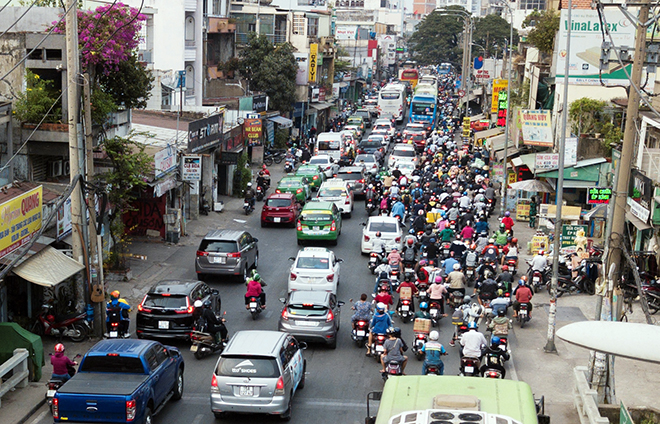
(501, 329)
(471, 258)
(409, 254)
(457, 317)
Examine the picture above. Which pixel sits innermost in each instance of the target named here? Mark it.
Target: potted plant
(39, 102)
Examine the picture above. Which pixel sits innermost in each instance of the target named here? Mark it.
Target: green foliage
(271, 69)
(231, 65)
(102, 105)
(612, 135)
(242, 175)
(585, 115)
(130, 86)
(436, 39)
(128, 175)
(492, 32)
(520, 95)
(545, 25)
(36, 100)
(281, 137)
(341, 67)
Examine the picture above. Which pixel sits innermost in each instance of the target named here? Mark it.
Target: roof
(311, 251)
(125, 347)
(173, 286)
(280, 196)
(18, 188)
(351, 169)
(317, 205)
(404, 147)
(224, 234)
(383, 219)
(334, 182)
(243, 342)
(309, 296)
(149, 135)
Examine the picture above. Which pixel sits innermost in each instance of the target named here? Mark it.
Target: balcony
(221, 26)
(280, 36)
(190, 53)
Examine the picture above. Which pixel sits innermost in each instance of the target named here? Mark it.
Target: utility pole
(72, 72)
(505, 178)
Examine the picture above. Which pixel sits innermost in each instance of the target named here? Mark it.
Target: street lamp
(505, 177)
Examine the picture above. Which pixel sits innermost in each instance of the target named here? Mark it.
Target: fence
(586, 399)
(19, 365)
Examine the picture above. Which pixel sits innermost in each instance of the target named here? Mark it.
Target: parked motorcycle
(271, 156)
(204, 206)
(54, 384)
(360, 332)
(75, 325)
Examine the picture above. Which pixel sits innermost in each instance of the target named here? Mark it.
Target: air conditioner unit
(55, 168)
(66, 168)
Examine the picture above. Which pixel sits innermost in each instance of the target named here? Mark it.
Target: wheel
(263, 224)
(522, 322)
(278, 159)
(220, 415)
(333, 242)
(245, 273)
(254, 315)
(148, 419)
(333, 344)
(38, 329)
(348, 215)
(286, 416)
(301, 385)
(300, 242)
(256, 261)
(81, 331)
(199, 354)
(269, 161)
(178, 389)
(360, 342)
(247, 210)
(590, 287)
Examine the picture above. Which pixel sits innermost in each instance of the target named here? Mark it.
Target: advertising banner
(586, 42)
(259, 103)
(569, 232)
(20, 218)
(191, 169)
(253, 131)
(536, 127)
(313, 61)
(498, 85)
(165, 161)
(205, 133)
(346, 32)
(64, 219)
(547, 161)
(301, 74)
(598, 195)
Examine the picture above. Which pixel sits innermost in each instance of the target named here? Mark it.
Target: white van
(329, 143)
(392, 102)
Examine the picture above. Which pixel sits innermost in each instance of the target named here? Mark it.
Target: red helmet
(514, 240)
(505, 267)
(59, 348)
(410, 242)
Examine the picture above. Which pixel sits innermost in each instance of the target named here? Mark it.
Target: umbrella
(532, 185)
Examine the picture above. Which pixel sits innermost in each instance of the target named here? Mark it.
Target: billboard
(586, 41)
(536, 127)
(20, 219)
(498, 85)
(313, 61)
(205, 133)
(301, 75)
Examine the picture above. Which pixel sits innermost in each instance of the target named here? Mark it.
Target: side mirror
(302, 345)
(341, 303)
(254, 239)
(283, 300)
(340, 260)
(215, 292)
(174, 353)
(292, 258)
(364, 224)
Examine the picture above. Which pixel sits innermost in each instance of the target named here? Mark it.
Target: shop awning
(488, 133)
(528, 160)
(496, 143)
(284, 122)
(476, 118)
(321, 105)
(583, 174)
(638, 223)
(48, 268)
(511, 152)
(598, 212)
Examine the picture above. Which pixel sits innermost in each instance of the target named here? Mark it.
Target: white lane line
(40, 417)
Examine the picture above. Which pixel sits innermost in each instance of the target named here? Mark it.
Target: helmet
(524, 278)
(423, 262)
(447, 225)
(495, 341)
(541, 252)
(487, 273)
(114, 294)
(263, 166)
(410, 242)
(397, 331)
(457, 267)
(395, 249)
(434, 335)
(391, 331)
(438, 278)
(500, 292)
(502, 225)
(522, 282)
(472, 325)
(256, 277)
(59, 348)
(423, 305)
(207, 303)
(514, 240)
(380, 307)
(198, 304)
(505, 267)
(491, 240)
(249, 185)
(507, 213)
(420, 212)
(501, 312)
(467, 299)
(378, 234)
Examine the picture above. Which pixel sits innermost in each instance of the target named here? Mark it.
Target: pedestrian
(532, 212)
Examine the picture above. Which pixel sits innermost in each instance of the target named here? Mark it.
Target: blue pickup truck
(121, 381)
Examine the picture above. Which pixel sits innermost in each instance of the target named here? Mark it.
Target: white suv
(339, 192)
(402, 153)
(315, 268)
(389, 229)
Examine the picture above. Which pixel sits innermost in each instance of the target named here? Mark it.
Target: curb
(31, 412)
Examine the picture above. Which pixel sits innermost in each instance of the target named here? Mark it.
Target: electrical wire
(20, 62)
(96, 24)
(5, 6)
(19, 18)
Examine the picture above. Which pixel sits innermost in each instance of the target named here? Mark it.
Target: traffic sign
(461, 93)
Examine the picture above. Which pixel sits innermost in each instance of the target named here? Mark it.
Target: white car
(382, 138)
(339, 192)
(368, 162)
(402, 153)
(384, 124)
(390, 231)
(406, 168)
(327, 164)
(314, 268)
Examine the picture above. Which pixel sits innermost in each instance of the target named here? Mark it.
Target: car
(368, 162)
(356, 120)
(326, 163)
(390, 231)
(319, 221)
(383, 133)
(258, 372)
(402, 153)
(406, 168)
(414, 127)
(371, 105)
(314, 175)
(365, 114)
(381, 137)
(370, 145)
(296, 185)
(359, 132)
(385, 124)
(355, 176)
(314, 268)
(418, 140)
(227, 252)
(311, 315)
(350, 138)
(280, 208)
(166, 310)
(339, 192)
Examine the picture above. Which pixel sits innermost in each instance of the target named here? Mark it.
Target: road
(338, 380)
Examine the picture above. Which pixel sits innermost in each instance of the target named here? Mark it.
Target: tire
(82, 331)
(286, 416)
(269, 161)
(349, 215)
(333, 242)
(148, 417)
(178, 388)
(254, 315)
(220, 415)
(590, 287)
(244, 276)
(256, 261)
(198, 354)
(360, 343)
(247, 210)
(333, 344)
(300, 242)
(263, 224)
(278, 159)
(38, 329)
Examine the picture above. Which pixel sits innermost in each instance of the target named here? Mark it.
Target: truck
(121, 381)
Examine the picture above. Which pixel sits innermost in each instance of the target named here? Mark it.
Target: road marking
(201, 399)
(198, 419)
(40, 417)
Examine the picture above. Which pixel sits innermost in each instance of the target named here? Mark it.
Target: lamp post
(505, 177)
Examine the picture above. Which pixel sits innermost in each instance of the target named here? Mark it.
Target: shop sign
(20, 219)
(313, 61)
(259, 103)
(321, 94)
(498, 85)
(64, 219)
(539, 243)
(638, 210)
(301, 73)
(513, 177)
(547, 161)
(502, 107)
(165, 161)
(164, 186)
(498, 172)
(228, 158)
(315, 95)
(205, 133)
(640, 189)
(192, 168)
(536, 127)
(253, 129)
(522, 210)
(598, 195)
(569, 232)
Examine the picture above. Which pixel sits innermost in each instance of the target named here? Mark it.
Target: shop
(226, 159)
(205, 137)
(578, 179)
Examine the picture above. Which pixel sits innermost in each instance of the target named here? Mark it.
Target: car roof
(366, 155)
(324, 157)
(383, 219)
(350, 169)
(255, 342)
(376, 135)
(183, 287)
(314, 251)
(317, 205)
(404, 147)
(316, 297)
(334, 182)
(224, 234)
(289, 196)
(124, 347)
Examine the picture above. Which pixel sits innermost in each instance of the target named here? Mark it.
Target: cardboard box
(422, 325)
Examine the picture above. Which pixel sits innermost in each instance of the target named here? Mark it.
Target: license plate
(246, 390)
(163, 325)
(536, 279)
(468, 272)
(308, 323)
(193, 348)
(245, 205)
(114, 334)
(469, 369)
(380, 348)
(217, 259)
(277, 219)
(253, 304)
(316, 228)
(433, 311)
(360, 333)
(50, 393)
(405, 307)
(422, 294)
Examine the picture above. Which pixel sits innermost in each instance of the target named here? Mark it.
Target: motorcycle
(254, 306)
(445, 249)
(261, 192)
(469, 274)
(375, 259)
(433, 369)
(371, 206)
(513, 265)
(422, 292)
(377, 347)
(54, 384)
(538, 281)
(392, 368)
(523, 315)
(115, 328)
(418, 343)
(290, 165)
(247, 206)
(469, 366)
(271, 156)
(405, 309)
(360, 332)
(204, 207)
(75, 325)
(434, 311)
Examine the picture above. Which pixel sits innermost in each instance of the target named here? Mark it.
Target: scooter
(406, 310)
(418, 343)
(422, 292)
(116, 328)
(523, 315)
(377, 347)
(254, 306)
(392, 368)
(360, 332)
(261, 191)
(434, 311)
(75, 326)
(375, 259)
(371, 206)
(247, 206)
(469, 366)
(54, 384)
(204, 207)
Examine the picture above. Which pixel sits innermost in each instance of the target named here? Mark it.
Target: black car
(167, 309)
(369, 146)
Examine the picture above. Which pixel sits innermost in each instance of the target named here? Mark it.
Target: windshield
(318, 161)
(315, 216)
(384, 227)
(390, 96)
(328, 145)
(218, 246)
(371, 102)
(371, 143)
(423, 108)
(165, 302)
(313, 263)
(289, 184)
(365, 158)
(278, 203)
(332, 192)
(404, 153)
(243, 366)
(116, 364)
(307, 310)
(363, 113)
(382, 127)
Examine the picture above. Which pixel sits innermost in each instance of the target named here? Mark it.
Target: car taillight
(330, 316)
(293, 277)
(299, 191)
(214, 383)
(55, 408)
(397, 240)
(347, 201)
(299, 226)
(361, 181)
(315, 177)
(202, 253)
(130, 410)
(330, 278)
(366, 238)
(333, 227)
(278, 191)
(234, 255)
(285, 315)
(279, 387)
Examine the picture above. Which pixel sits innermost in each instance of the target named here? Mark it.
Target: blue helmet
(495, 341)
(472, 325)
(423, 305)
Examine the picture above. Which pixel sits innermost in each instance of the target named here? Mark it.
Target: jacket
(60, 363)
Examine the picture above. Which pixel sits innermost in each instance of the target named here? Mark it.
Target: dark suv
(167, 309)
(227, 252)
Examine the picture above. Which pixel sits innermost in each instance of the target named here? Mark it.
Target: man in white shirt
(472, 341)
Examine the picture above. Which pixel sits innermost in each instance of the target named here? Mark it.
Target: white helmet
(380, 306)
(198, 304)
(249, 185)
(457, 267)
(434, 335)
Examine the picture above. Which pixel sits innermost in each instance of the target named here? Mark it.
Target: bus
(411, 76)
(423, 106)
(444, 68)
(450, 399)
(392, 102)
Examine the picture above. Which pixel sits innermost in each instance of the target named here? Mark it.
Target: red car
(280, 208)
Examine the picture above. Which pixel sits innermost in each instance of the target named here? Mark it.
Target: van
(329, 143)
(258, 372)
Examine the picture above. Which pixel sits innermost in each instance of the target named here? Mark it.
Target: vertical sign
(498, 85)
(313, 59)
(502, 106)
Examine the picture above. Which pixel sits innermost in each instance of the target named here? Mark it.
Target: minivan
(329, 143)
(258, 372)
(227, 252)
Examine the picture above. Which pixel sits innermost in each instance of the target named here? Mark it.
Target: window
(652, 142)
(532, 4)
(190, 77)
(299, 24)
(291, 349)
(250, 366)
(114, 364)
(312, 27)
(190, 28)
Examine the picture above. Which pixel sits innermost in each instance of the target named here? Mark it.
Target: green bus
(452, 399)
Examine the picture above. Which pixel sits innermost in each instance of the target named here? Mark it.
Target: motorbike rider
(117, 304)
(434, 351)
(500, 325)
(254, 290)
(249, 195)
(472, 342)
(437, 292)
(510, 251)
(523, 294)
(482, 241)
(420, 221)
(490, 252)
(506, 278)
(384, 296)
(457, 280)
(61, 364)
(394, 257)
(213, 324)
(393, 351)
(487, 289)
(494, 357)
(481, 226)
(423, 312)
(380, 322)
(409, 252)
(378, 244)
(362, 310)
(449, 263)
(501, 235)
(398, 210)
(508, 222)
(539, 262)
(261, 181)
(447, 235)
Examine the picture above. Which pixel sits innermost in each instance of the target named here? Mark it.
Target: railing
(18, 364)
(586, 399)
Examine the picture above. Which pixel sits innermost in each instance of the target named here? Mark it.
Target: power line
(5, 6)
(19, 18)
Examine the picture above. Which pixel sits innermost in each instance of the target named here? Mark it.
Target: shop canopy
(321, 105)
(528, 160)
(586, 171)
(488, 133)
(638, 223)
(284, 122)
(48, 267)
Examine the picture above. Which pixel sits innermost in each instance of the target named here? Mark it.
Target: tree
(436, 39)
(123, 182)
(585, 114)
(271, 69)
(130, 85)
(492, 32)
(545, 25)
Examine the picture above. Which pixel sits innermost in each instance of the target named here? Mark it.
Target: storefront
(205, 136)
(577, 179)
(225, 161)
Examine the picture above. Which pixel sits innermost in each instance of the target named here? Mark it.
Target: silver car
(311, 315)
(227, 252)
(258, 372)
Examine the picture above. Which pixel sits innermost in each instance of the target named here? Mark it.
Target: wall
(147, 215)
(11, 51)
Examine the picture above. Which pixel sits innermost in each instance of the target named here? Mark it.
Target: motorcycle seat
(60, 318)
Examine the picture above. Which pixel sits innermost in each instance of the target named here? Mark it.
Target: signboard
(498, 172)
(586, 41)
(64, 219)
(259, 103)
(466, 126)
(599, 195)
(638, 210)
(253, 130)
(568, 213)
(165, 161)
(570, 151)
(522, 210)
(547, 161)
(536, 127)
(569, 232)
(539, 243)
(205, 133)
(513, 177)
(498, 85)
(624, 415)
(640, 189)
(313, 61)
(301, 74)
(191, 169)
(20, 218)
(228, 158)
(502, 106)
